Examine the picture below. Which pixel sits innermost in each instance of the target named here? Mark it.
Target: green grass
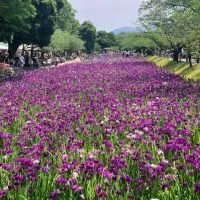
(180, 68)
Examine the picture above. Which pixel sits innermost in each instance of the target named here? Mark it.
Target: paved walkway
(70, 61)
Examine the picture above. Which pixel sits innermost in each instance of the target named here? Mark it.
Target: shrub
(5, 71)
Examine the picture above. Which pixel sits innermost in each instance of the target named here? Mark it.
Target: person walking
(22, 61)
(7, 58)
(127, 54)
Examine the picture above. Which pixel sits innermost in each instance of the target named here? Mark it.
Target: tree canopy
(14, 17)
(87, 33)
(139, 42)
(105, 39)
(65, 19)
(177, 21)
(63, 41)
(34, 22)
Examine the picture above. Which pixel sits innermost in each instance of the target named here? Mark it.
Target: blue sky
(107, 14)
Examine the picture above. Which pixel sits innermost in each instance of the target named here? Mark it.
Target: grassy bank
(180, 68)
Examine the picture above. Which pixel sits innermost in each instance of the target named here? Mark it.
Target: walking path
(78, 59)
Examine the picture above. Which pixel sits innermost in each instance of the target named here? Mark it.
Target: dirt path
(76, 60)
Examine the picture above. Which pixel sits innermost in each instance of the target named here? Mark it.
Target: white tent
(3, 46)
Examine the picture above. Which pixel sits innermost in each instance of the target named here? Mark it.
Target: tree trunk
(180, 58)
(32, 49)
(176, 52)
(198, 59)
(190, 58)
(23, 49)
(42, 54)
(175, 55)
(12, 48)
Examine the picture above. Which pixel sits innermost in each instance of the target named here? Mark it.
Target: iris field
(121, 129)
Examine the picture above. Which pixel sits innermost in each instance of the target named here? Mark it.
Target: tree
(158, 38)
(189, 29)
(63, 41)
(14, 19)
(58, 41)
(88, 35)
(105, 39)
(155, 16)
(111, 39)
(14, 15)
(136, 42)
(75, 44)
(65, 19)
(175, 19)
(40, 27)
(97, 47)
(35, 28)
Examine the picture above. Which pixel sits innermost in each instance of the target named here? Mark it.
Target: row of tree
(48, 23)
(166, 25)
(139, 42)
(172, 24)
(87, 38)
(34, 21)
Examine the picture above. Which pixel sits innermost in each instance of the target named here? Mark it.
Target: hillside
(125, 29)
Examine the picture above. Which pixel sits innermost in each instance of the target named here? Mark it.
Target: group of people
(127, 54)
(19, 60)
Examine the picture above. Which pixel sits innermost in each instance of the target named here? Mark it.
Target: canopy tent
(3, 46)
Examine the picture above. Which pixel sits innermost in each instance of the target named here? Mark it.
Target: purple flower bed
(115, 130)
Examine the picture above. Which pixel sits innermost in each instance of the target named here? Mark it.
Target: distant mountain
(125, 29)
